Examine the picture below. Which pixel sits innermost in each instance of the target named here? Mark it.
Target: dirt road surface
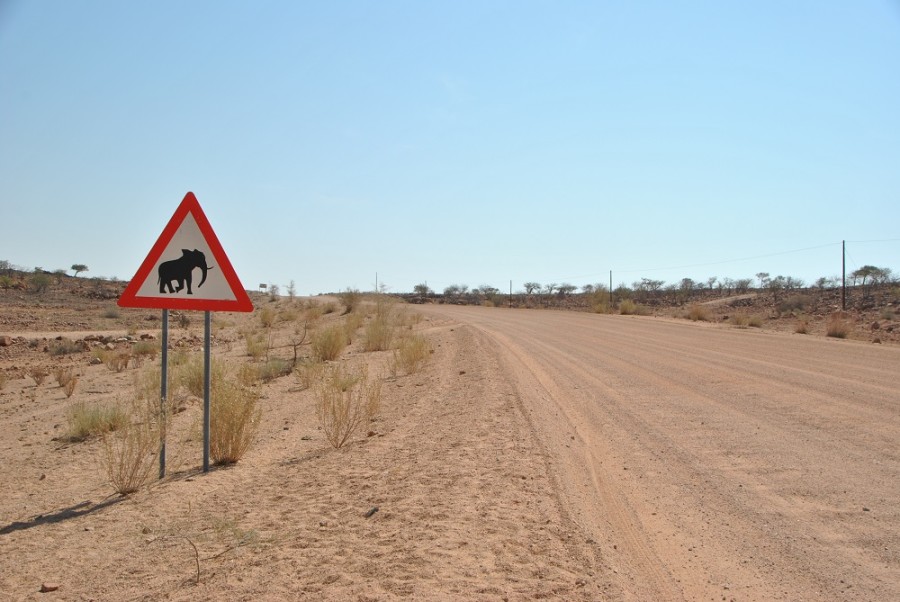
(709, 462)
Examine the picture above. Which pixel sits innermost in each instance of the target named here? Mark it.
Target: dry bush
(410, 355)
(190, 374)
(313, 312)
(273, 368)
(38, 375)
(802, 327)
(131, 453)
(344, 402)
(627, 307)
(63, 375)
(328, 343)
(697, 312)
(329, 308)
(352, 323)
(144, 350)
(115, 361)
(837, 326)
(257, 344)
(234, 421)
(248, 375)
(351, 299)
(309, 373)
(740, 320)
(65, 347)
(267, 317)
(87, 420)
(379, 333)
(69, 387)
(755, 321)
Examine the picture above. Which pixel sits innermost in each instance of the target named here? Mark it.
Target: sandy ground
(539, 455)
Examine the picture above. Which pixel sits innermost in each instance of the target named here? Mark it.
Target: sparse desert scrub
(38, 375)
(114, 360)
(379, 333)
(627, 307)
(257, 344)
(274, 367)
(837, 326)
(86, 420)
(802, 327)
(143, 350)
(697, 312)
(65, 347)
(755, 321)
(410, 355)
(111, 313)
(234, 421)
(740, 320)
(308, 373)
(328, 343)
(190, 374)
(351, 299)
(130, 453)
(352, 322)
(63, 375)
(344, 402)
(267, 317)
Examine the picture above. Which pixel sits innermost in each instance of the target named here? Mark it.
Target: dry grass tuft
(837, 326)
(87, 420)
(344, 402)
(740, 320)
(130, 454)
(627, 307)
(802, 327)
(38, 375)
(755, 321)
(410, 355)
(697, 312)
(309, 373)
(328, 343)
(234, 421)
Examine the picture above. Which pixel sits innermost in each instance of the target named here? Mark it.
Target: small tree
(530, 287)
(292, 290)
(422, 290)
(78, 268)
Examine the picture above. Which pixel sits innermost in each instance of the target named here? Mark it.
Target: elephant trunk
(204, 269)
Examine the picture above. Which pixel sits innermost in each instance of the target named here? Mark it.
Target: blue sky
(455, 142)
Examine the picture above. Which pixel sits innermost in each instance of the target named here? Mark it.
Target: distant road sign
(187, 268)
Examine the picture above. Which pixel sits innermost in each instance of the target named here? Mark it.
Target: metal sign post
(206, 387)
(163, 392)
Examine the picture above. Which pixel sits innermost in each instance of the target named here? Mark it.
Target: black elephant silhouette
(179, 270)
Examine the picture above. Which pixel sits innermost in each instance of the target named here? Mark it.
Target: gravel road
(710, 462)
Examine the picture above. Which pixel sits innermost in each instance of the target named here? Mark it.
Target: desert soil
(538, 455)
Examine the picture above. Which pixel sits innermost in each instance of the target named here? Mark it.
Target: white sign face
(181, 268)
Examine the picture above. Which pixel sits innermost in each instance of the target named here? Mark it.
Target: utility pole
(843, 275)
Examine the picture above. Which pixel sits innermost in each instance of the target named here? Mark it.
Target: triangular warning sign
(187, 268)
